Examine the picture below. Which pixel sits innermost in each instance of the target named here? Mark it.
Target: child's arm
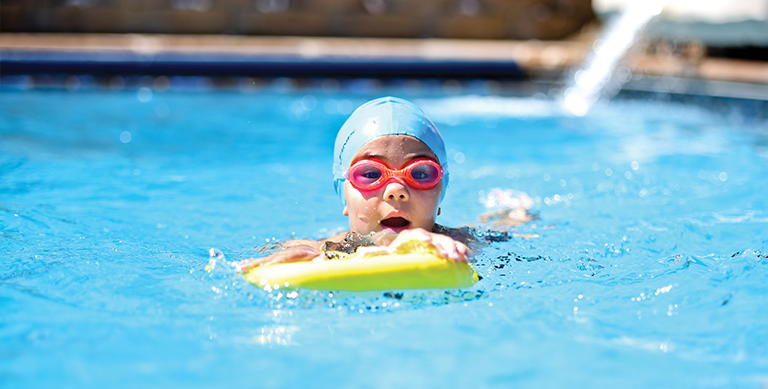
(308, 250)
(293, 251)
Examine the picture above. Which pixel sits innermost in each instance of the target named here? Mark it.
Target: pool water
(649, 268)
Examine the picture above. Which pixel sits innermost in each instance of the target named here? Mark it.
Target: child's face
(395, 206)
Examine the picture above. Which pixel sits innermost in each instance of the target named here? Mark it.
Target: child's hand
(445, 245)
(296, 253)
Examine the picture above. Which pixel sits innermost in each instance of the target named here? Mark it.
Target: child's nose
(396, 190)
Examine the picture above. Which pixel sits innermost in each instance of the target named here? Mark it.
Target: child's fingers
(373, 250)
(448, 247)
(463, 251)
(413, 234)
(445, 245)
(296, 254)
(384, 239)
(458, 250)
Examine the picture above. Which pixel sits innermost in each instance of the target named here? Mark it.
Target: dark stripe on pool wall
(17, 62)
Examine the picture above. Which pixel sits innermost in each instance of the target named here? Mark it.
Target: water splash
(587, 82)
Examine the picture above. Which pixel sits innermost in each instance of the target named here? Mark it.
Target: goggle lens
(365, 174)
(426, 173)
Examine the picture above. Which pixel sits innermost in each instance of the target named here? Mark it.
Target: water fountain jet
(587, 83)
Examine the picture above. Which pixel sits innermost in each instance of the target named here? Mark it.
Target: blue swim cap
(380, 117)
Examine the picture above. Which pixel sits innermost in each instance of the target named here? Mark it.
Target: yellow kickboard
(412, 265)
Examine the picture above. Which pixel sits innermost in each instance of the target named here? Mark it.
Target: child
(391, 173)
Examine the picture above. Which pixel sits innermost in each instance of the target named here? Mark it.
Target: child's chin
(393, 230)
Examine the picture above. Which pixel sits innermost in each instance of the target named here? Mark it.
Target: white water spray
(586, 84)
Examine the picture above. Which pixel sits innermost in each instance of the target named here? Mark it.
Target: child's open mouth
(396, 224)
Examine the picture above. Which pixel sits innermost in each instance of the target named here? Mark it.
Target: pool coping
(22, 53)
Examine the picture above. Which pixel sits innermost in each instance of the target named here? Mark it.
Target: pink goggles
(372, 174)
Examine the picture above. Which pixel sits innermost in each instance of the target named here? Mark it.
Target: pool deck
(349, 56)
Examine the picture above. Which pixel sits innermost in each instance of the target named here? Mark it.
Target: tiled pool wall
(742, 103)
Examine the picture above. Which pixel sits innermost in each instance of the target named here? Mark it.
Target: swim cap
(380, 117)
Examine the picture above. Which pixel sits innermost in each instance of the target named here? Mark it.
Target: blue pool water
(650, 268)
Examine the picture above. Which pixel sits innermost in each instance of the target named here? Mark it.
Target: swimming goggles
(372, 174)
